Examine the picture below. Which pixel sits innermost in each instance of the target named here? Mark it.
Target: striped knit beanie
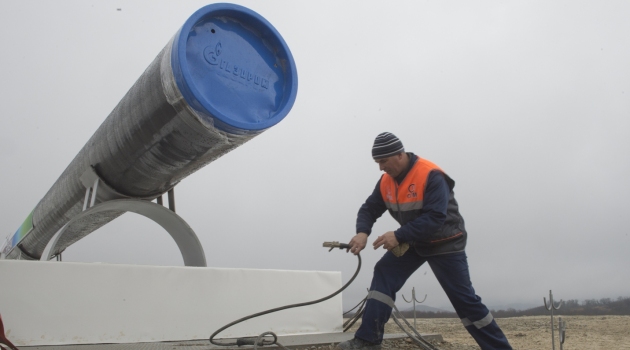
(386, 145)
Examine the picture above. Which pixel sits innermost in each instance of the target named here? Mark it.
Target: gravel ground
(531, 332)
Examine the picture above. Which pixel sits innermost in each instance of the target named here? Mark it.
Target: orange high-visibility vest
(404, 201)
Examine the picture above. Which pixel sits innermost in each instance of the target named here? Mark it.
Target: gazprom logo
(212, 55)
(412, 191)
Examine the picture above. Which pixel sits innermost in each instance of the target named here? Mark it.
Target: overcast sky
(525, 104)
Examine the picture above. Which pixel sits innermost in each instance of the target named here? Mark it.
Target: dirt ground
(531, 332)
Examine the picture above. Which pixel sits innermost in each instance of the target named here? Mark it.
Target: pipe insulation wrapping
(226, 76)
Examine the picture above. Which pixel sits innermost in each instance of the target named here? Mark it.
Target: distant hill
(516, 306)
(422, 308)
(605, 306)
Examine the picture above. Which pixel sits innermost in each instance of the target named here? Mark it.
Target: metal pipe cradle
(226, 76)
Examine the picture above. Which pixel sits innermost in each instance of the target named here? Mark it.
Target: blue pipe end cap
(234, 68)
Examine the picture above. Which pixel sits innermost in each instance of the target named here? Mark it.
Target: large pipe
(226, 76)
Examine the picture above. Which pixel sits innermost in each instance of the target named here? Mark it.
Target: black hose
(357, 315)
(416, 337)
(257, 340)
(359, 305)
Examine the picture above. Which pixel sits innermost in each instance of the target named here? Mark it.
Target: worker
(419, 195)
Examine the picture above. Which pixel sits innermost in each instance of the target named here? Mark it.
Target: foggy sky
(524, 104)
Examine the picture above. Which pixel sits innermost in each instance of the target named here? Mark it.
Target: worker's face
(393, 165)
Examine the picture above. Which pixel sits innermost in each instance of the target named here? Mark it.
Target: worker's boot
(357, 343)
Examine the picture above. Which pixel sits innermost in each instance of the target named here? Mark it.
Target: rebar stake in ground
(552, 307)
(414, 300)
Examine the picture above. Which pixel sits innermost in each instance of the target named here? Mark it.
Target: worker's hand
(387, 240)
(358, 242)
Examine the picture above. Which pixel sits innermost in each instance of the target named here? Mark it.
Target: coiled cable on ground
(260, 341)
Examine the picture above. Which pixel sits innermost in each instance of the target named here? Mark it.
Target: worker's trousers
(451, 271)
